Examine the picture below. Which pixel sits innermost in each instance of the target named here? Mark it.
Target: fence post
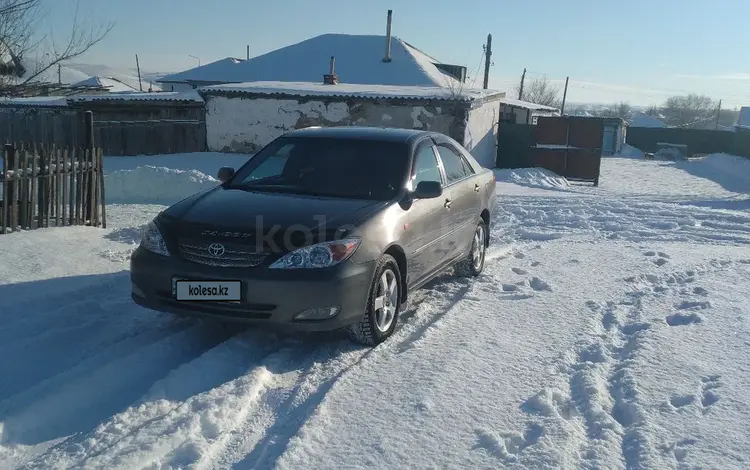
(10, 202)
(88, 117)
(5, 209)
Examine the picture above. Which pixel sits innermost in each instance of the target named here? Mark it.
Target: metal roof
(351, 90)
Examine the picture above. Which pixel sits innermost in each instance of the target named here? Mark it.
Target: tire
(374, 328)
(473, 264)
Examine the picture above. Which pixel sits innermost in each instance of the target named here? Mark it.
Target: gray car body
(425, 236)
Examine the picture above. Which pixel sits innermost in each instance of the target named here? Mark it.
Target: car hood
(237, 210)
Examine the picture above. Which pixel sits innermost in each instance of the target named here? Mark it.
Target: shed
(245, 117)
(572, 146)
(524, 112)
(743, 120)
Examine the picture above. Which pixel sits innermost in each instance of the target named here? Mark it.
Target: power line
(630, 89)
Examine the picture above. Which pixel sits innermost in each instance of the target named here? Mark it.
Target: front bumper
(269, 296)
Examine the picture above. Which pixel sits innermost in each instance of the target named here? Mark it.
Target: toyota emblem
(216, 249)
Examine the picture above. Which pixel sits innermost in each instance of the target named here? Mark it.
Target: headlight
(153, 241)
(320, 255)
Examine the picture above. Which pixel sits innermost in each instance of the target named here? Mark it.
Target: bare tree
(689, 111)
(621, 110)
(541, 91)
(26, 52)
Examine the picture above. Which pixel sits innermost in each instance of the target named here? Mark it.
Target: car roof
(389, 134)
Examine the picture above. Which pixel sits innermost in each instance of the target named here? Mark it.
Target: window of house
(456, 166)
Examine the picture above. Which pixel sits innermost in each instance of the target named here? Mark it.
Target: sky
(640, 51)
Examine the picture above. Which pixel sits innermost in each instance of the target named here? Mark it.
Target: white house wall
(237, 124)
(481, 133)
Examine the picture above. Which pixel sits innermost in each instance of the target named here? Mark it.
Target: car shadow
(76, 351)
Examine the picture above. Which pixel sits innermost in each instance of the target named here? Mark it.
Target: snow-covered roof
(744, 119)
(527, 105)
(352, 90)
(35, 101)
(358, 59)
(111, 84)
(191, 95)
(62, 101)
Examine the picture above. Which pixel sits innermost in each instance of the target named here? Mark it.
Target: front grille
(232, 256)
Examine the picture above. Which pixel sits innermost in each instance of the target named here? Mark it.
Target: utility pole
(718, 114)
(520, 89)
(487, 60)
(247, 54)
(138, 66)
(59, 74)
(565, 95)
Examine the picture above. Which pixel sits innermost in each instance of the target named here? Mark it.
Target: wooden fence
(121, 127)
(48, 186)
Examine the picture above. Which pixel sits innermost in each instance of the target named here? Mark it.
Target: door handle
(448, 203)
(476, 188)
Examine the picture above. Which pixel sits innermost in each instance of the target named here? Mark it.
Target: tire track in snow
(525, 218)
(79, 398)
(263, 437)
(197, 395)
(276, 397)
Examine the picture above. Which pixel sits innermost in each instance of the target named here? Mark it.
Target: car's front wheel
(473, 264)
(383, 305)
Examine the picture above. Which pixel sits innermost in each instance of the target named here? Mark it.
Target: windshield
(349, 168)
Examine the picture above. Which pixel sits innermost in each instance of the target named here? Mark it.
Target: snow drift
(533, 178)
(729, 171)
(155, 185)
(628, 151)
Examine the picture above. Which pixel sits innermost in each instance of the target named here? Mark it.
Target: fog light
(321, 313)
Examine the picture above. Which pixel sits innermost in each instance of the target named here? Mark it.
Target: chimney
(387, 57)
(248, 52)
(331, 78)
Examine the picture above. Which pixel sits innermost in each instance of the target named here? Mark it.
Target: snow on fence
(47, 186)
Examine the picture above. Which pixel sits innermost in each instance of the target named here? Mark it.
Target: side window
(425, 166)
(455, 166)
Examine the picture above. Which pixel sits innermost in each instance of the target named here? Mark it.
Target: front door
(428, 219)
(461, 187)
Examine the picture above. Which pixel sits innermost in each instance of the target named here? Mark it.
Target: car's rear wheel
(473, 264)
(383, 305)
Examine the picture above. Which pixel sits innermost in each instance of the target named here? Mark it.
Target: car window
(349, 168)
(273, 165)
(425, 166)
(455, 166)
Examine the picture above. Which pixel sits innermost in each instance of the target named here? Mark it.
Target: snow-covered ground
(610, 330)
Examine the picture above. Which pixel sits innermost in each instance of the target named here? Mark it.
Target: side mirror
(428, 190)
(225, 173)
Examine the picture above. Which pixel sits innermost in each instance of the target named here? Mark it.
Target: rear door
(461, 187)
(428, 220)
